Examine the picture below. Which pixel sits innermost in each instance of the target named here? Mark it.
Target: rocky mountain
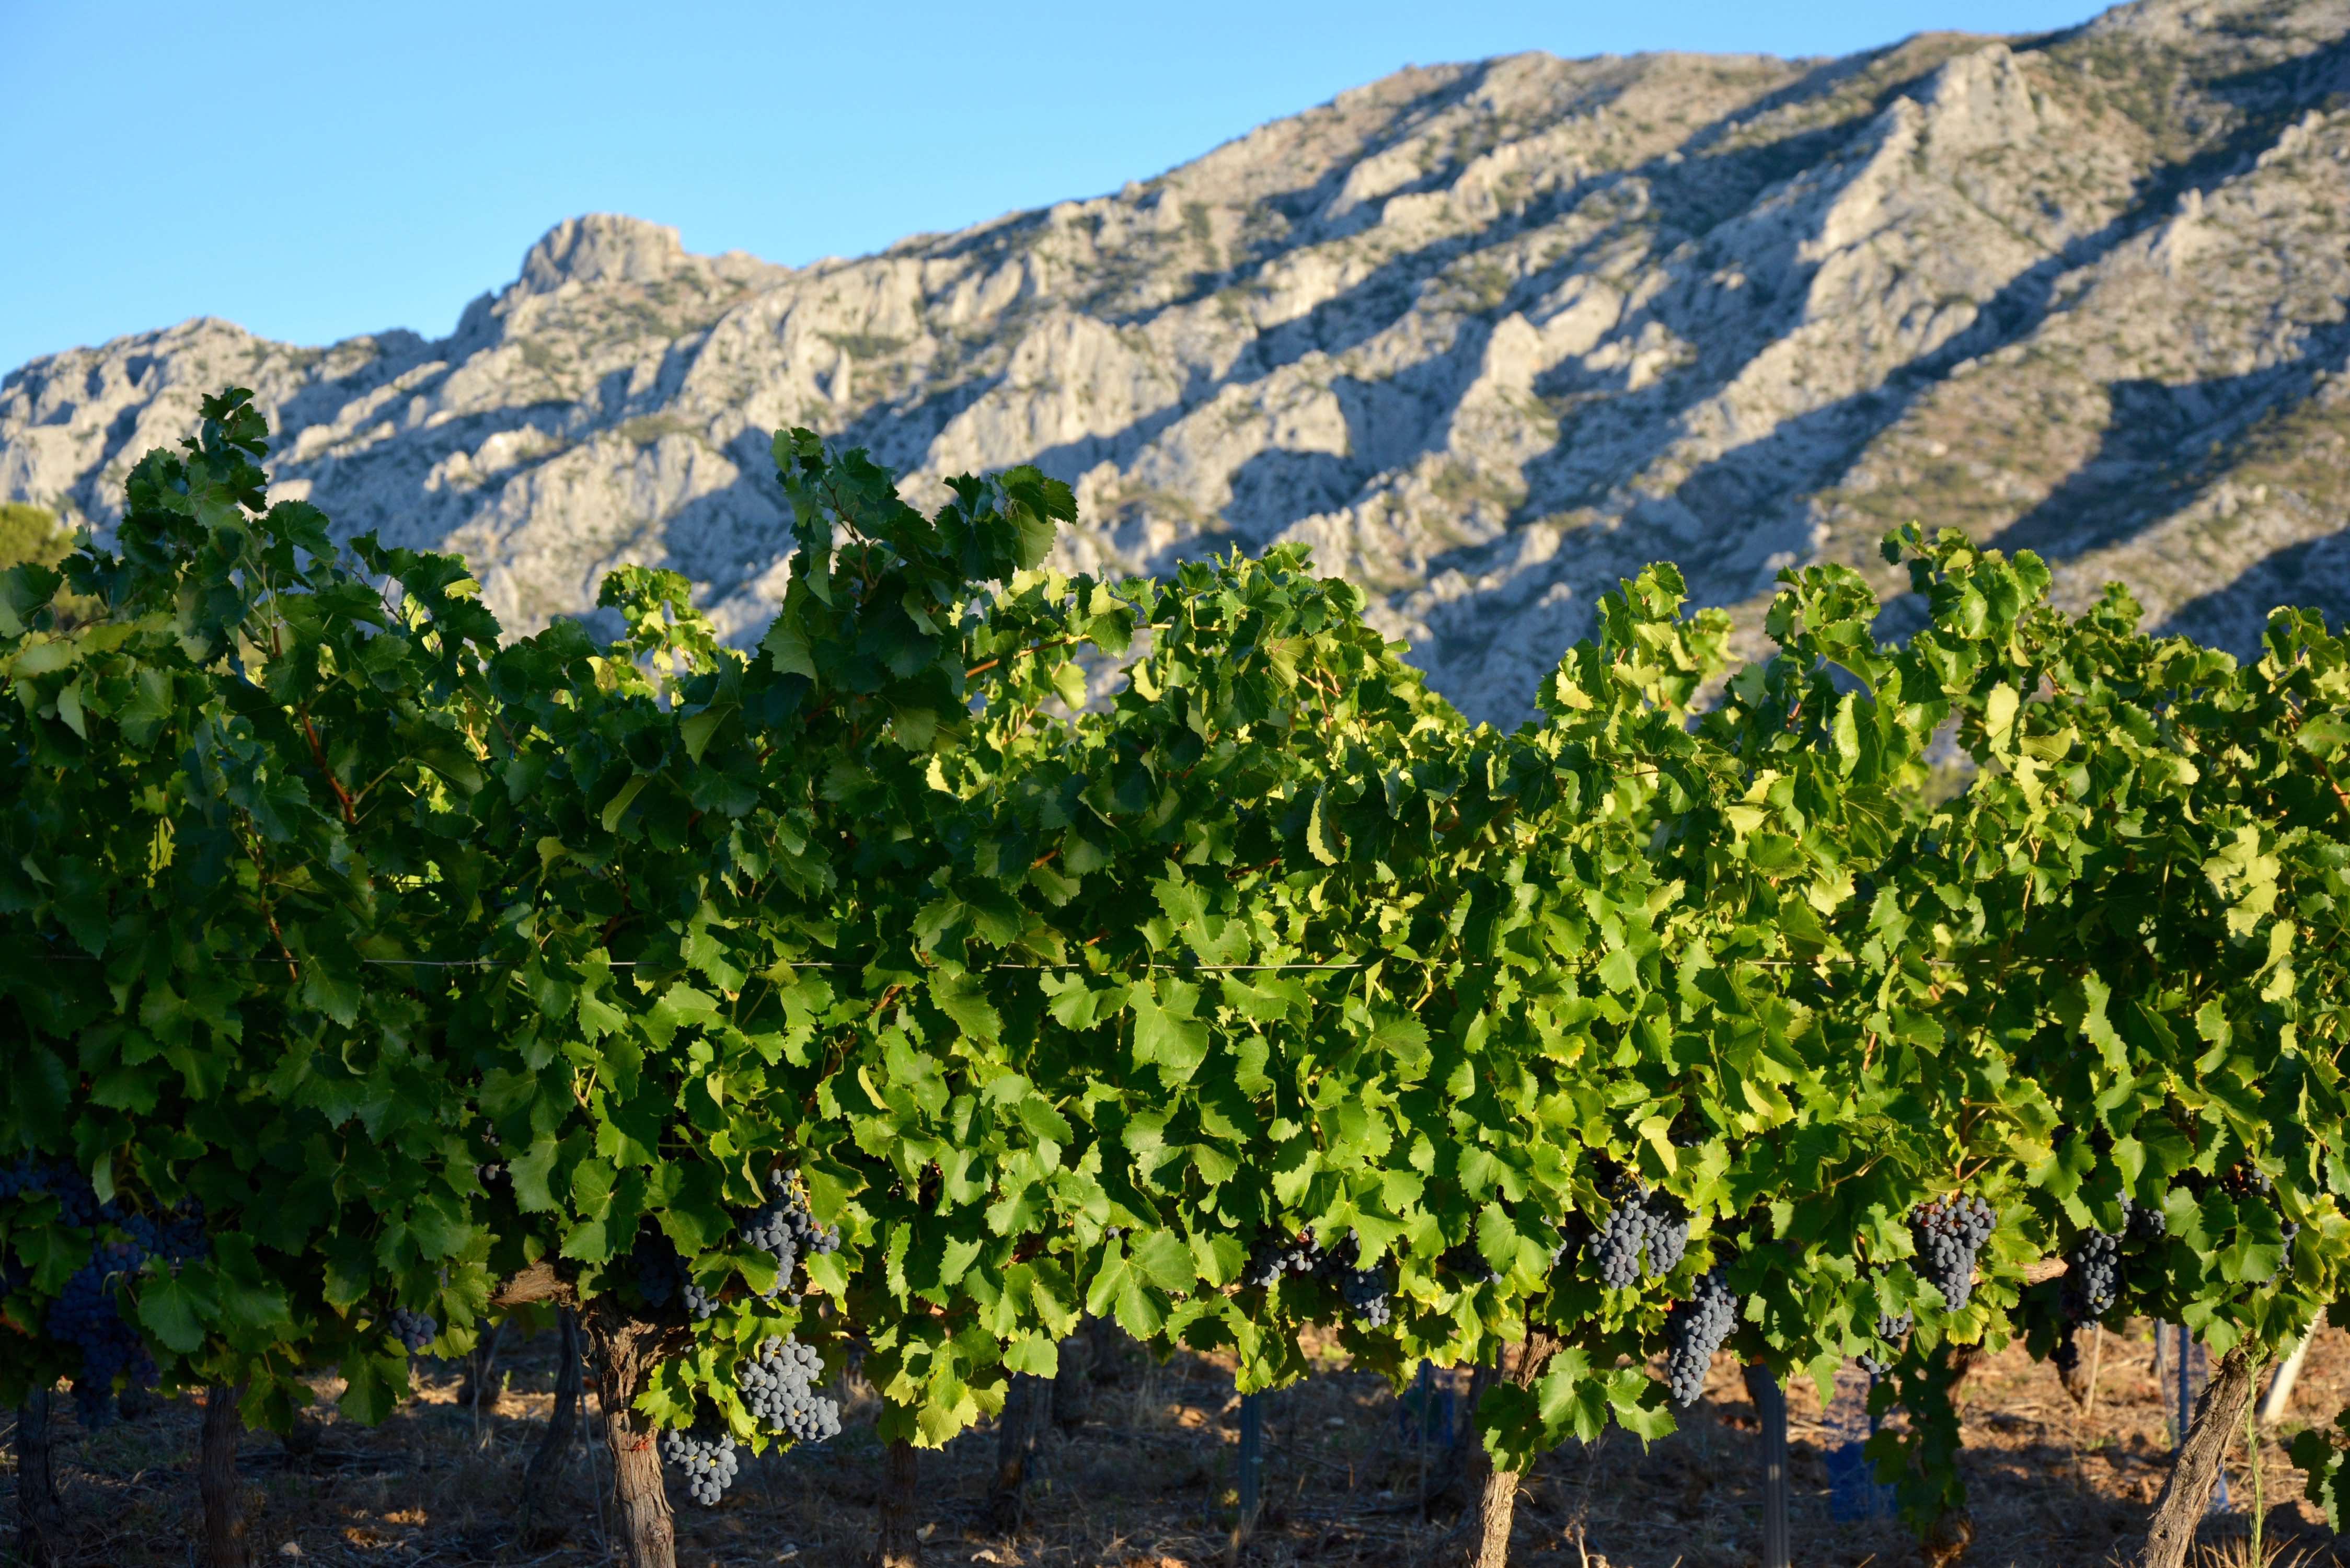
(1488, 336)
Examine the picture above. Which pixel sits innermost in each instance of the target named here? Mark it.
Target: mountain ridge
(1486, 335)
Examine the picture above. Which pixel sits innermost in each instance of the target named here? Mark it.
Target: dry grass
(1146, 1480)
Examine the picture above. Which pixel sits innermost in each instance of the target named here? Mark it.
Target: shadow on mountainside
(2312, 575)
(2162, 445)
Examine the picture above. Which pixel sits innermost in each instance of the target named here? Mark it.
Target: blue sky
(319, 170)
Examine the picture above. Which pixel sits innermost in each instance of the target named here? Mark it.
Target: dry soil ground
(1145, 1478)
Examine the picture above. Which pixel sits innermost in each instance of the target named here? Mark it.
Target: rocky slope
(1487, 336)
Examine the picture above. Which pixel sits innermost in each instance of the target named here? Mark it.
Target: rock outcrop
(1486, 335)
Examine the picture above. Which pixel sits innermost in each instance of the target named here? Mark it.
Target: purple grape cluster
(1948, 1236)
(708, 1460)
(1892, 1328)
(1694, 1331)
(176, 1238)
(2092, 1277)
(779, 1388)
(661, 1273)
(88, 1315)
(414, 1330)
(2262, 1185)
(784, 1228)
(1470, 1263)
(1275, 1254)
(77, 1205)
(1365, 1290)
(1644, 1225)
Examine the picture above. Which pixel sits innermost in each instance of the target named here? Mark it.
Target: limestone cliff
(1488, 336)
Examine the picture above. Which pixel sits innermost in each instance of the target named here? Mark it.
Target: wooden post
(1252, 1463)
(1771, 1406)
(2279, 1398)
(216, 1477)
(2187, 1492)
(480, 1365)
(40, 1517)
(898, 1544)
(627, 1350)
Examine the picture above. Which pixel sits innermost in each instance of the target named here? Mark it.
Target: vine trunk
(2218, 1417)
(40, 1518)
(898, 1545)
(1497, 1495)
(216, 1477)
(627, 1349)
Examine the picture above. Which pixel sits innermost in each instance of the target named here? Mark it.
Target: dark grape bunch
(1467, 1261)
(1948, 1235)
(1694, 1331)
(708, 1462)
(779, 1388)
(78, 1204)
(1365, 1290)
(699, 1301)
(2144, 1222)
(175, 1238)
(87, 1316)
(414, 1330)
(1642, 1222)
(783, 1227)
(1570, 1229)
(1892, 1328)
(1275, 1255)
(2092, 1277)
(2259, 1184)
(661, 1273)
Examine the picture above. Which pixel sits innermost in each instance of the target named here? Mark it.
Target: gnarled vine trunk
(1026, 1403)
(897, 1544)
(1073, 1382)
(627, 1350)
(1496, 1493)
(216, 1477)
(2186, 1493)
(40, 1518)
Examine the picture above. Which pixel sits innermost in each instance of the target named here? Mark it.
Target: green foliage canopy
(427, 960)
